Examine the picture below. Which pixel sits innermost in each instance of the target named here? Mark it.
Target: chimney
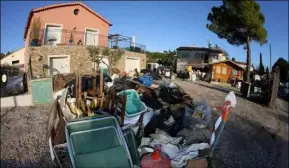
(233, 59)
(133, 41)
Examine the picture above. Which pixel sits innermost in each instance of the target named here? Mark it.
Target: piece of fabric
(187, 153)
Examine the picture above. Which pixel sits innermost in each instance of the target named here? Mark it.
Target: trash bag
(165, 121)
(199, 115)
(121, 84)
(171, 95)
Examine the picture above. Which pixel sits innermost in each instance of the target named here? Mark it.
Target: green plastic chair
(97, 142)
(132, 146)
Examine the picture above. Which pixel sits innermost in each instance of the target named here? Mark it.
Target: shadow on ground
(254, 99)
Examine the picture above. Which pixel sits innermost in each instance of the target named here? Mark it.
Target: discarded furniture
(97, 142)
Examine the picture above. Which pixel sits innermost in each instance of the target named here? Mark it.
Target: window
(224, 70)
(218, 69)
(15, 62)
(76, 11)
(185, 55)
(235, 72)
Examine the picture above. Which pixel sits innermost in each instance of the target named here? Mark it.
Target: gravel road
(247, 140)
(23, 137)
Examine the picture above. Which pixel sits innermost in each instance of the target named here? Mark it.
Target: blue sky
(159, 25)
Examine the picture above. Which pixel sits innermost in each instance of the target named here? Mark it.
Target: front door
(91, 37)
(52, 35)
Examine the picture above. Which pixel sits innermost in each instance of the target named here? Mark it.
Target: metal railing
(62, 37)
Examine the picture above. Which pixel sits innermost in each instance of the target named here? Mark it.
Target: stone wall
(121, 63)
(79, 59)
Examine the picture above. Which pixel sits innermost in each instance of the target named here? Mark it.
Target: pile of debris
(61, 80)
(132, 116)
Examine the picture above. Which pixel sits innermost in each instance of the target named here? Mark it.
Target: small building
(198, 57)
(223, 71)
(243, 64)
(15, 59)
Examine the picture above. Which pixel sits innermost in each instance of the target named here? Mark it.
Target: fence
(62, 37)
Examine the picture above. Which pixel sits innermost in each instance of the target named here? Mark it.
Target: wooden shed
(223, 71)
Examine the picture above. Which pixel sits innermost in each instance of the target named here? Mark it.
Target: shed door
(132, 63)
(59, 65)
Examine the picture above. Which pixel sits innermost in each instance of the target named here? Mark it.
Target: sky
(162, 25)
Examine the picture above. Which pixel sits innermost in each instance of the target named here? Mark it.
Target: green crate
(42, 91)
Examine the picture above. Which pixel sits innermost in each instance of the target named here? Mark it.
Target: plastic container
(134, 106)
(157, 159)
(147, 80)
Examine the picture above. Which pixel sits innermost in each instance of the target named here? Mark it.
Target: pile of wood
(61, 80)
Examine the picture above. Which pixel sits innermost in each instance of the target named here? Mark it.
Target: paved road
(248, 139)
(282, 109)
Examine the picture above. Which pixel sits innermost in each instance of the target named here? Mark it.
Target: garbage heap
(157, 122)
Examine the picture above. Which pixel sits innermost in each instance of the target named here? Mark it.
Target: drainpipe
(30, 66)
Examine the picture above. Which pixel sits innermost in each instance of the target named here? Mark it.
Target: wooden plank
(101, 83)
(76, 86)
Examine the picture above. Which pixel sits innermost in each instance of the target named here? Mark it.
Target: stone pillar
(275, 87)
(245, 89)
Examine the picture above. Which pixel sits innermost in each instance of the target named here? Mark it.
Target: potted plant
(35, 31)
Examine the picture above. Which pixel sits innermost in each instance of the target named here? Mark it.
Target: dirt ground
(247, 141)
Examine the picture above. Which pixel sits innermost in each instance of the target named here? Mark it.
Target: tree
(284, 67)
(94, 53)
(240, 23)
(2, 55)
(9, 52)
(261, 66)
(115, 56)
(267, 71)
(166, 58)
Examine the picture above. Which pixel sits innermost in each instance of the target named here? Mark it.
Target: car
(16, 84)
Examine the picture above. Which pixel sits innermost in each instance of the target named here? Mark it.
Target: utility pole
(270, 58)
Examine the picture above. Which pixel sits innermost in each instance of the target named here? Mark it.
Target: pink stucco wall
(65, 17)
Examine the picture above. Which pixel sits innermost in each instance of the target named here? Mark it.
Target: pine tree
(240, 23)
(261, 66)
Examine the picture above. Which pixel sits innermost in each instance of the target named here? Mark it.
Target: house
(197, 57)
(15, 59)
(242, 64)
(56, 37)
(223, 71)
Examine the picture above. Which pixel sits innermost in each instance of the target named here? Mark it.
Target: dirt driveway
(247, 141)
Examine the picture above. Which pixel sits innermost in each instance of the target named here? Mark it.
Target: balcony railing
(61, 37)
